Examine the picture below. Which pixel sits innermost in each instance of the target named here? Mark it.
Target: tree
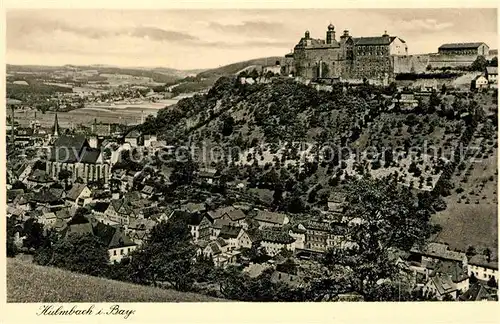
(168, 256)
(11, 230)
(79, 253)
(494, 61)
(479, 64)
(389, 218)
(492, 283)
(183, 172)
(34, 234)
(487, 254)
(19, 185)
(64, 175)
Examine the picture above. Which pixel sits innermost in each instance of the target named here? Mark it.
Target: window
(121, 251)
(114, 252)
(128, 250)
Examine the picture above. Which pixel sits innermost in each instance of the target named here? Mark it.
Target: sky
(199, 39)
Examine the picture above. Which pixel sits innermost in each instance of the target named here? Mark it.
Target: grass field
(469, 225)
(30, 283)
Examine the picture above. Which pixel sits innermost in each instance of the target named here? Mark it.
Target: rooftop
(274, 236)
(270, 217)
(461, 45)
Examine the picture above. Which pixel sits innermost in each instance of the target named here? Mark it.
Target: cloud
(423, 25)
(250, 28)
(20, 29)
(159, 34)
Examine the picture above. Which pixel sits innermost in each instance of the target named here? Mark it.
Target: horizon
(217, 37)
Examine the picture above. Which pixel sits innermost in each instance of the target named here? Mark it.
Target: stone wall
(370, 67)
(410, 63)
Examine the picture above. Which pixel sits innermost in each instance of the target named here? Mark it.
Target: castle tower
(307, 35)
(330, 34)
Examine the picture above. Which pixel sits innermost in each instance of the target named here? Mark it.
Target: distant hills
(238, 66)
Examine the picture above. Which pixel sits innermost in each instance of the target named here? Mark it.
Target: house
(120, 211)
(77, 225)
(298, 232)
(199, 226)
(321, 236)
(434, 252)
(270, 219)
(39, 178)
(478, 48)
(12, 194)
(483, 268)
(23, 201)
(236, 237)
(336, 202)
(274, 241)
(220, 252)
(133, 138)
(147, 192)
(79, 195)
(99, 208)
(149, 140)
(447, 278)
(235, 216)
(217, 227)
(193, 207)
(119, 245)
(479, 292)
(139, 229)
(440, 286)
(480, 82)
(208, 175)
(48, 219)
(49, 198)
(492, 75)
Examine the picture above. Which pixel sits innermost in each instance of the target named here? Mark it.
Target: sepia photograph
(250, 155)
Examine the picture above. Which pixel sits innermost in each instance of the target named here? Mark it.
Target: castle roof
(461, 45)
(379, 40)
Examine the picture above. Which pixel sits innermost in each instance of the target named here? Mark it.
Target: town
(129, 201)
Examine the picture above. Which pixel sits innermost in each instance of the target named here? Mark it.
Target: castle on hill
(347, 57)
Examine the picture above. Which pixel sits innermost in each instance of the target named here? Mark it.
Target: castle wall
(410, 63)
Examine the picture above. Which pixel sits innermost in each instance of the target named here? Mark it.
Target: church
(76, 155)
(347, 57)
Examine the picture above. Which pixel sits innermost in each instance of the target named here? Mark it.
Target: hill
(30, 283)
(236, 67)
(276, 132)
(206, 79)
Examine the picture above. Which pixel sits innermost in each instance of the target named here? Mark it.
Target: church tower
(330, 34)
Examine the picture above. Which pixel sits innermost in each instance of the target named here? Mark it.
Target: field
(29, 283)
(126, 113)
(469, 225)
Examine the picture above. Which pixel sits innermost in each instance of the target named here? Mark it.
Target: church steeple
(56, 126)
